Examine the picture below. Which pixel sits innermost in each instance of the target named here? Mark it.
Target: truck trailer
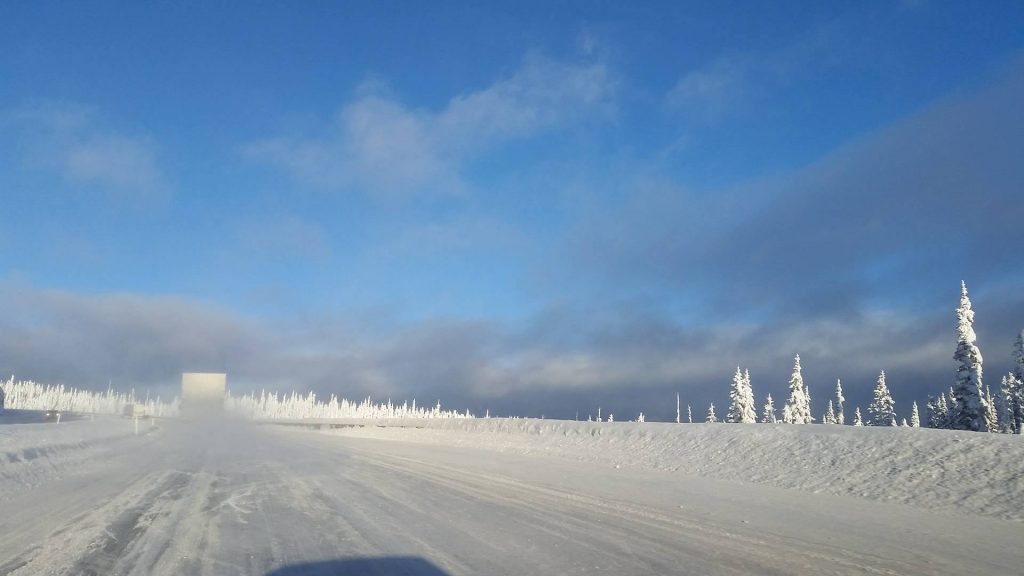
(202, 394)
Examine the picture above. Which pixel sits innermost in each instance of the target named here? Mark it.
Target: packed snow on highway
(499, 496)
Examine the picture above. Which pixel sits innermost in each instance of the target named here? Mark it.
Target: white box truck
(202, 394)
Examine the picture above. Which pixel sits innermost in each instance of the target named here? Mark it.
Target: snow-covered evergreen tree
(856, 417)
(768, 415)
(830, 415)
(1015, 394)
(640, 418)
(735, 393)
(881, 411)
(741, 401)
(1016, 403)
(689, 414)
(750, 396)
(969, 407)
(991, 418)
(807, 397)
(915, 416)
(1001, 402)
(1011, 404)
(942, 414)
(933, 411)
(611, 417)
(798, 407)
(840, 418)
(678, 415)
(711, 414)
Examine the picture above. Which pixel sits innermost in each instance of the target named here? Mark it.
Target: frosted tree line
(1009, 402)
(967, 405)
(29, 395)
(797, 409)
(295, 406)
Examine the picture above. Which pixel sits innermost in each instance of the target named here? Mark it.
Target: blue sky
(526, 207)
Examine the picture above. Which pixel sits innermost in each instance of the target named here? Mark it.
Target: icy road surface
(262, 500)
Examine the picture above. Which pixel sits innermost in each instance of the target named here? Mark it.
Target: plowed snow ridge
(942, 470)
(32, 454)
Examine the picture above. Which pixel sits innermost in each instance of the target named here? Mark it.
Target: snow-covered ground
(940, 470)
(501, 497)
(33, 452)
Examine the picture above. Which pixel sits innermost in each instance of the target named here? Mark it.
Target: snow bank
(943, 470)
(32, 454)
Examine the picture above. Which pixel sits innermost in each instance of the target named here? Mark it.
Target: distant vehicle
(51, 416)
(202, 394)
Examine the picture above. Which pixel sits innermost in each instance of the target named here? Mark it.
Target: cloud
(381, 147)
(625, 358)
(723, 86)
(84, 340)
(74, 140)
(374, 144)
(711, 91)
(909, 208)
(815, 262)
(124, 164)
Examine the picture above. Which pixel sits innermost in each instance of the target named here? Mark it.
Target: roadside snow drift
(943, 470)
(32, 454)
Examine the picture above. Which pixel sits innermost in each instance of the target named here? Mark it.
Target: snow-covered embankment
(32, 454)
(942, 470)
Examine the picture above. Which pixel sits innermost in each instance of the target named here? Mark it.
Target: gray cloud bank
(626, 359)
(908, 209)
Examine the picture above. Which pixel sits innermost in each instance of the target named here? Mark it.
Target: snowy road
(266, 500)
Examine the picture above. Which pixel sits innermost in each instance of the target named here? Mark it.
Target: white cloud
(541, 95)
(710, 91)
(388, 150)
(74, 140)
(124, 164)
(730, 81)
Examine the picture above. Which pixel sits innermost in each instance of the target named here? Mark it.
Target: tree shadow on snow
(385, 566)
